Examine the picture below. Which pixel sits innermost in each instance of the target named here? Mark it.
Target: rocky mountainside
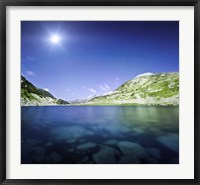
(31, 95)
(146, 89)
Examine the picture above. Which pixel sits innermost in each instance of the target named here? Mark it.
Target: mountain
(144, 89)
(79, 101)
(31, 95)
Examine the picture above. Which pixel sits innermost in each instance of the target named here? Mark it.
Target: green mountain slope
(146, 89)
(31, 95)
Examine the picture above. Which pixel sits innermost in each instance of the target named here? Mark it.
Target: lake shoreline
(89, 105)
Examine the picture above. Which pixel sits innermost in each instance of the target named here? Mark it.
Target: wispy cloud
(30, 73)
(69, 91)
(92, 90)
(29, 58)
(105, 87)
(46, 89)
(117, 81)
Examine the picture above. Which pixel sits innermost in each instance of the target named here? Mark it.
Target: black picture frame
(6, 3)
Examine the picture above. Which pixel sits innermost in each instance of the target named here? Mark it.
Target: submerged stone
(170, 141)
(132, 149)
(110, 130)
(72, 132)
(151, 160)
(32, 142)
(48, 144)
(27, 160)
(39, 154)
(71, 141)
(71, 150)
(175, 160)
(82, 140)
(55, 157)
(86, 146)
(129, 159)
(105, 156)
(111, 142)
(138, 130)
(85, 159)
(154, 152)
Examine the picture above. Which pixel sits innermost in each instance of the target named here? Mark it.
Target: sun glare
(55, 39)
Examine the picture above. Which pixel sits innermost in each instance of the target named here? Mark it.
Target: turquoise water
(99, 135)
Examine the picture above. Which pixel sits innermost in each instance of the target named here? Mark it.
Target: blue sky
(79, 59)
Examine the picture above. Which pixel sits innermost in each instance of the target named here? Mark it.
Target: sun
(55, 39)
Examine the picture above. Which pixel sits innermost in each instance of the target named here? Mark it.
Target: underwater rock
(174, 160)
(48, 144)
(32, 142)
(129, 159)
(39, 154)
(86, 146)
(113, 130)
(26, 154)
(171, 141)
(71, 150)
(82, 140)
(55, 157)
(85, 159)
(132, 149)
(27, 160)
(72, 132)
(138, 130)
(70, 141)
(109, 130)
(111, 142)
(150, 160)
(154, 152)
(105, 156)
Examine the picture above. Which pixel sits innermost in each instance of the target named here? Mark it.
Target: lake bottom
(99, 135)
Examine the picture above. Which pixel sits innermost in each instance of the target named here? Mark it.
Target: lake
(100, 135)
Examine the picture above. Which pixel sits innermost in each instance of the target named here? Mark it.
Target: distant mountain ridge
(144, 89)
(31, 95)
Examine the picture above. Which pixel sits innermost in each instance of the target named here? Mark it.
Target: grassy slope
(31, 95)
(157, 89)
